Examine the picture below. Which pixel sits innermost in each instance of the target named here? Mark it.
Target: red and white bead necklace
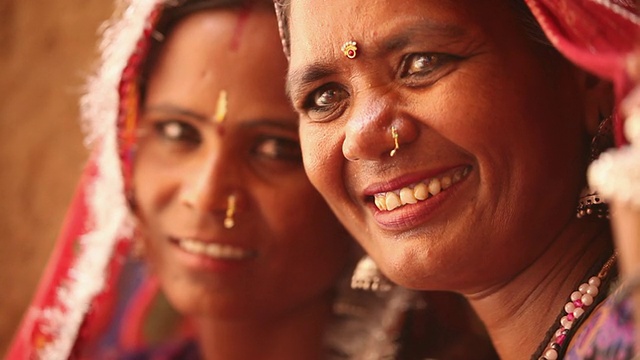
(579, 301)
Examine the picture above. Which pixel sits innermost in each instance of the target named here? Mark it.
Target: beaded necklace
(577, 308)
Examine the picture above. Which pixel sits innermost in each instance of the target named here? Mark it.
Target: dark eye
(420, 63)
(278, 148)
(325, 102)
(425, 66)
(328, 97)
(178, 131)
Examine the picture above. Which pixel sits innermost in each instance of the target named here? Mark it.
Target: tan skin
(468, 92)
(273, 300)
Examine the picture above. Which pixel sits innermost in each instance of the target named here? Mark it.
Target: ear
(599, 101)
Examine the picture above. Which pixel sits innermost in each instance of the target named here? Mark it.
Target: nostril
(349, 152)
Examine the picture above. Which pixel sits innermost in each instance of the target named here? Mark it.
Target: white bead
(569, 307)
(592, 290)
(583, 288)
(595, 281)
(551, 354)
(566, 322)
(587, 299)
(576, 295)
(578, 312)
(559, 332)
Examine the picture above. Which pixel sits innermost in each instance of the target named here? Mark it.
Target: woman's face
(490, 129)
(285, 247)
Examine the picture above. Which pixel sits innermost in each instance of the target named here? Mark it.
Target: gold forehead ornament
(221, 107)
(350, 49)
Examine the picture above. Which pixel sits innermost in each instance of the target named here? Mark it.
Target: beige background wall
(46, 49)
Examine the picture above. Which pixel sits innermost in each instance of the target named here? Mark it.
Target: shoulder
(608, 333)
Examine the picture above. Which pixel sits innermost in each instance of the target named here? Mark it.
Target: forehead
(217, 50)
(220, 36)
(320, 27)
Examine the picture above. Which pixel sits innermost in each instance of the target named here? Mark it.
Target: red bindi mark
(243, 16)
(220, 130)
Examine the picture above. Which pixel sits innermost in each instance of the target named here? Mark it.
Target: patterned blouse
(607, 335)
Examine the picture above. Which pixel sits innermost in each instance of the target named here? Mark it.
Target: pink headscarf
(93, 294)
(597, 35)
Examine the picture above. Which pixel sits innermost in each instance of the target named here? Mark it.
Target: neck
(298, 334)
(519, 312)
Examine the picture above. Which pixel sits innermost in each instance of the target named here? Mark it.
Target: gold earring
(590, 202)
(394, 134)
(367, 276)
(231, 209)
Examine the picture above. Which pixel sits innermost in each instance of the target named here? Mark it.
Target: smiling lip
(411, 200)
(211, 255)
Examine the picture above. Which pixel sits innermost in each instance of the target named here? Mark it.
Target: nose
(211, 182)
(376, 127)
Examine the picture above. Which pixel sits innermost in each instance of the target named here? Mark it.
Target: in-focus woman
(452, 140)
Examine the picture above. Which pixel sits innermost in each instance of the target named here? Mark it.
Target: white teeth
(421, 191)
(407, 197)
(445, 182)
(434, 187)
(217, 251)
(381, 202)
(457, 176)
(393, 201)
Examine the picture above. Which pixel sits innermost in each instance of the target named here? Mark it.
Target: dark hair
(529, 23)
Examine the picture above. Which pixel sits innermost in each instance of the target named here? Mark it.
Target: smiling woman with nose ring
(452, 139)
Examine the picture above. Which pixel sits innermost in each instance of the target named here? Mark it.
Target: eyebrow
(176, 110)
(307, 75)
(421, 28)
(300, 78)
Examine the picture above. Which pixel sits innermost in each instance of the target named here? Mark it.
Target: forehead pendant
(350, 49)
(221, 107)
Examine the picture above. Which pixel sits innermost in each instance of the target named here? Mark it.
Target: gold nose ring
(394, 134)
(231, 209)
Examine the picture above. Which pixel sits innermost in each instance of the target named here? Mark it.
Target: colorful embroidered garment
(609, 334)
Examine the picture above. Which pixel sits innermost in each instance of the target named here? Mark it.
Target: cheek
(155, 184)
(320, 244)
(494, 114)
(305, 236)
(322, 155)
